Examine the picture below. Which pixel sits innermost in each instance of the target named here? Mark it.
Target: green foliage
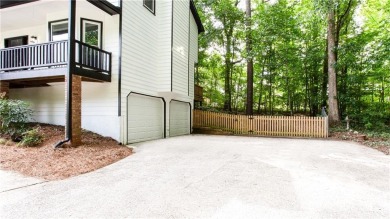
(374, 117)
(289, 53)
(383, 135)
(91, 37)
(31, 138)
(14, 114)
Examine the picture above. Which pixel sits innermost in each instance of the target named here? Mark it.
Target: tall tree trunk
(261, 88)
(270, 93)
(325, 77)
(292, 104)
(306, 100)
(288, 94)
(332, 81)
(249, 67)
(270, 75)
(343, 91)
(232, 88)
(314, 90)
(228, 94)
(227, 104)
(382, 91)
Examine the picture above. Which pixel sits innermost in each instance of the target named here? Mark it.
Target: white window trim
(83, 21)
(51, 23)
(152, 10)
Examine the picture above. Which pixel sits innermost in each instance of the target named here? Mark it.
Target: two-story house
(123, 69)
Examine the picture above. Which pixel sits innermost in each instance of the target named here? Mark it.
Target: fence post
(327, 127)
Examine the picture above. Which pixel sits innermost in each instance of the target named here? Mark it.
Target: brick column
(76, 110)
(4, 89)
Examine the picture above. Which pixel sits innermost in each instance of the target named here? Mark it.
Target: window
(91, 32)
(15, 41)
(58, 30)
(150, 5)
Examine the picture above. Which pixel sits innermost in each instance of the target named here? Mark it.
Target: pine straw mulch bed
(379, 143)
(44, 162)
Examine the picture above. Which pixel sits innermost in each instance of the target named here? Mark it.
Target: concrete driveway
(219, 177)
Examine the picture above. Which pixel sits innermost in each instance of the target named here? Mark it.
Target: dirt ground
(44, 162)
(378, 143)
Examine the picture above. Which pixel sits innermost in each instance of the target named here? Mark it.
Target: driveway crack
(21, 187)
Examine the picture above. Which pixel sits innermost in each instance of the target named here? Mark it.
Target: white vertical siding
(145, 51)
(180, 46)
(99, 106)
(48, 103)
(193, 53)
(147, 47)
(100, 100)
(139, 49)
(164, 15)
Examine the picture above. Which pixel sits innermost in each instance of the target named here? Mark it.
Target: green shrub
(31, 138)
(14, 116)
(383, 135)
(373, 117)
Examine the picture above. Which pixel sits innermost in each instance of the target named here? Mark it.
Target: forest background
(305, 55)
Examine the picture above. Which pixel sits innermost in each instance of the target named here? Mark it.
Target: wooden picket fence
(281, 126)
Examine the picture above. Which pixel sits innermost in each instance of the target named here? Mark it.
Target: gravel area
(46, 163)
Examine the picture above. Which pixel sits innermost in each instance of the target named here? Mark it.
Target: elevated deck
(48, 62)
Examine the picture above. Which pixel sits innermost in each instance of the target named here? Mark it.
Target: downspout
(120, 62)
(71, 69)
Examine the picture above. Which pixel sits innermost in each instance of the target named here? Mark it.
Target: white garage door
(145, 118)
(179, 118)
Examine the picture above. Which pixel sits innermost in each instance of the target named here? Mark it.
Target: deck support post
(4, 89)
(73, 84)
(76, 110)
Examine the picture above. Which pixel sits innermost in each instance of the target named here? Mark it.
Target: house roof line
(196, 16)
(104, 5)
(11, 3)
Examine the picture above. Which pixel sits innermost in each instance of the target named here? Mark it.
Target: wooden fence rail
(289, 126)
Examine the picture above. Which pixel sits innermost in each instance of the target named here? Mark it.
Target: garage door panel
(145, 118)
(179, 118)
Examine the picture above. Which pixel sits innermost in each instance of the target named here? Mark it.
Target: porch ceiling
(43, 81)
(33, 74)
(30, 14)
(33, 13)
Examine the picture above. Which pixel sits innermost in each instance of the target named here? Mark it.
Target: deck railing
(93, 58)
(34, 56)
(280, 126)
(54, 54)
